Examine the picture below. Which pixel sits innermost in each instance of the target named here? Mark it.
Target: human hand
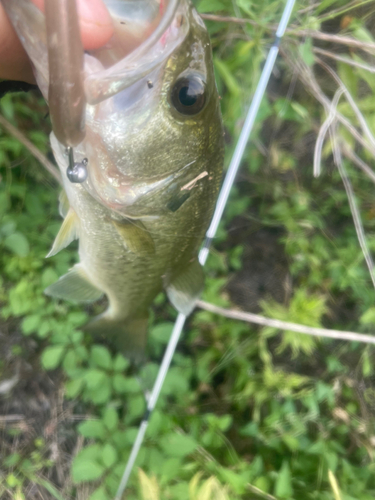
(96, 29)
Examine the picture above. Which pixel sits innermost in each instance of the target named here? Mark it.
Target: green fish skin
(155, 156)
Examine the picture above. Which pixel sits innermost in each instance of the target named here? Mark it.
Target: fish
(151, 140)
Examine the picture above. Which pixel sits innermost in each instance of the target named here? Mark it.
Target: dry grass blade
(309, 8)
(346, 181)
(286, 325)
(352, 103)
(355, 212)
(344, 9)
(32, 149)
(328, 37)
(334, 485)
(308, 79)
(358, 161)
(346, 60)
(260, 493)
(323, 132)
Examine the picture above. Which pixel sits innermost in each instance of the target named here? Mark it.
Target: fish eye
(188, 95)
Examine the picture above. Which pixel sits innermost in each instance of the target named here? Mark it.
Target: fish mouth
(146, 32)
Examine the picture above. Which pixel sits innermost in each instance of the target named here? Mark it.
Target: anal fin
(74, 286)
(185, 288)
(69, 231)
(135, 236)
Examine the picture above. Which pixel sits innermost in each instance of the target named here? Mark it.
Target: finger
(94, 20)
(14, 63)
(96, 29)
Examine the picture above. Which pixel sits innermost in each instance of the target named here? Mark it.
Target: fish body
(154, 151)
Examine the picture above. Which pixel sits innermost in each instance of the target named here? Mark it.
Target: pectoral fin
(135, 236)
(68, 232)
(185, 288)
(74, 286)
(63, 204)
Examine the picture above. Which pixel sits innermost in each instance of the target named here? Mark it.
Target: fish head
(152, 116)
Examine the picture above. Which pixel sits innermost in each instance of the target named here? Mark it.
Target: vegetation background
(246, 412)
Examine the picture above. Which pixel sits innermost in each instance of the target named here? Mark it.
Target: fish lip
(104, 83)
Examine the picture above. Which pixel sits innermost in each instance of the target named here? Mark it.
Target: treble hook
(66, 95)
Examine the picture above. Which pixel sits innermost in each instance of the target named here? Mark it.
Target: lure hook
(76, 171)
(66, 95)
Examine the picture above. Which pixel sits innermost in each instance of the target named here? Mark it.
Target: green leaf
(51, 356)
(4, 203)
(12, 480)
(7, 108)
(71, 361)
(12, 460)
(95, 378)
(8, 228)
(175, 382)
(149, 486)
(178, 445)
(92, 429)
(18, 244)
(162, 332)
(86, 466)
(119, 383)
(170, 468)
(83, 471)
(120, 363)
(127, 384)
(283, 486)
(99, 391)
(110, 418)
(368, 317)
(109, 455)
(135, 408)
(101, 357)
(210, 6)
(227, 75)
(49, 276)
(44, 328)
(100, 494)
(49, 487)
(90, 452)
(74, 387)
(155, 424)
(30, 324)
(225, 422)
(305, 49)
(77, 319)
(236, 481)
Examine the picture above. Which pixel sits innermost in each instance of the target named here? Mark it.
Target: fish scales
(155, 154)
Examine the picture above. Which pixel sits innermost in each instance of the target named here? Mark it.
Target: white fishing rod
(203, 254)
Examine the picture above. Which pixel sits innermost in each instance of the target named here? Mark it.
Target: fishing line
(203, 254)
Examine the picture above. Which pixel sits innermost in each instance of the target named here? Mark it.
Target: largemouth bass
(153, 146)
